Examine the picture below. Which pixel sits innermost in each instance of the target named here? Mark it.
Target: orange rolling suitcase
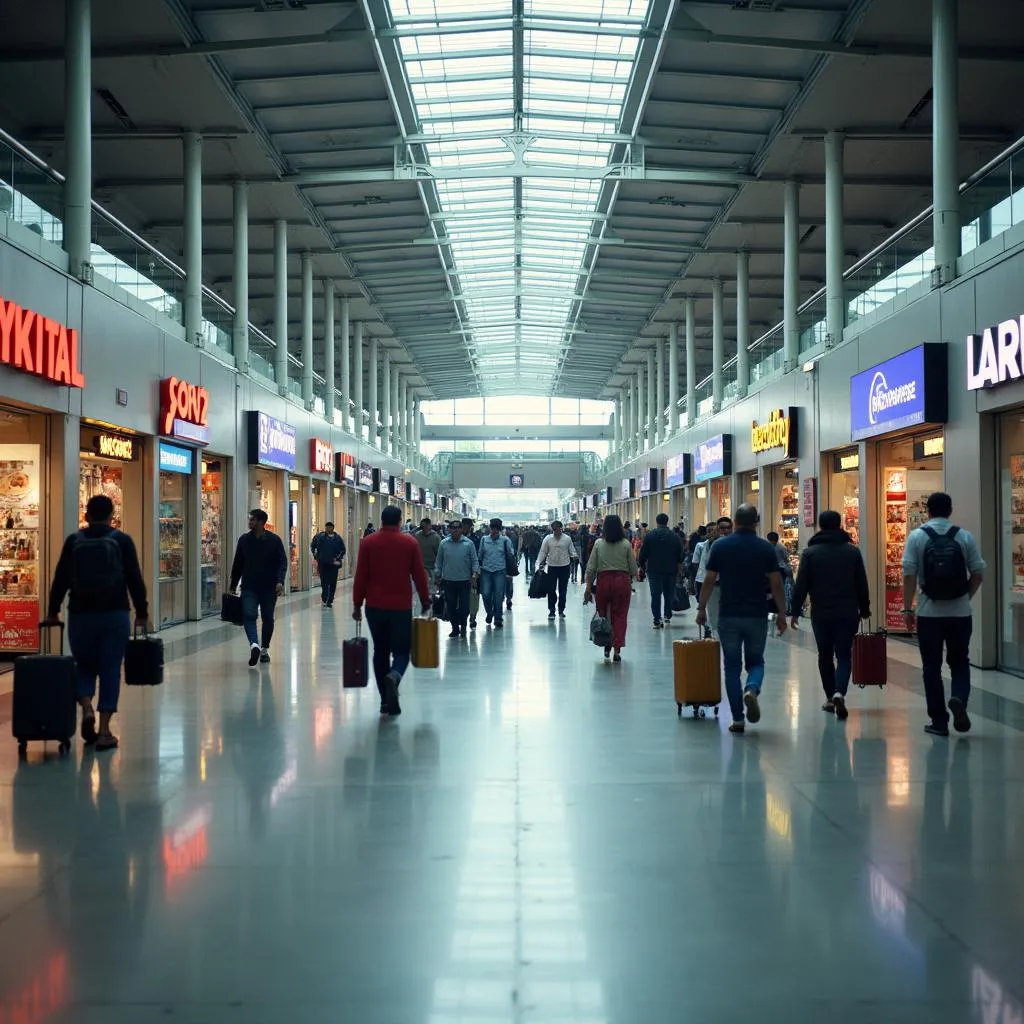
(426, 648)
(697, 666)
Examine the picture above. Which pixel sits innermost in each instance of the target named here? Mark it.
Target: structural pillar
(691, 361)
(632, 434)
(673, 379)
(346, 367)
(307, 330)
(717, 343)
(192, 152)
(652, 401)
(616, 428)
(946, 224)
(410, 429)
(78, 136)
(240, 325)
(329, 350)
(641, 411)
(357, 379)
(281, 305)
(742, 322)
(659, 350)
(791, 275)
(396, 440)
(371, 388)
(835, 287)
(386, 443)
(417, 429)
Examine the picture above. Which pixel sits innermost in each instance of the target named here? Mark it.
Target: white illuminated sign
(995, 356)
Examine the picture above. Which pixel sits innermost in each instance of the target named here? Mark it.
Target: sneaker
(961, 720)
(840, 704)
(933, 729)
(390, 703)
(499, 625)
(453, 634)
(106, 741)
(561, 615)
(254, 654)
(472, 623)
(265, 655)
(829, 707)
(551, 615)
(737, 727)
(752, 706)
(488, 619)
(383, 707)
(330, 604)
(668, 619)
(607, 652)
(509, 605)
(657, 624)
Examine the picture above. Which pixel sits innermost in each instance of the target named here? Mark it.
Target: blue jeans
(955, 634)
(98, 640)
(834, 638)
(743, 642)
(492, 592)
(663, 585)
(261, 601)
(392, 642)
(531, 562)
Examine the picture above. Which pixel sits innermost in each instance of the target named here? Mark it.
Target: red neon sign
(321, 455)
(180, 400)
(35, 344)
(46, 993)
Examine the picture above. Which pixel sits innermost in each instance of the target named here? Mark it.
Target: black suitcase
(355, 661)
(44, 704)
(231, 609)
(540, 585)
(144, 660)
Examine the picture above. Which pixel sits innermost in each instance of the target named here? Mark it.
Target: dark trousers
(663, 590)
(456, 594)
(98, 641)
(955, 634)
(509, 587)
(391, 632)
(260, 602)
(531, 562)
(328, 581)
(834, 638)
(558, 586)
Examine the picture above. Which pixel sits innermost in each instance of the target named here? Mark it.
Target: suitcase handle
(138, 626)
(866, 630)
(44, 636)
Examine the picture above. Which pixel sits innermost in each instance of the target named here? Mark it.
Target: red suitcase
(355, 660)
(870, 661)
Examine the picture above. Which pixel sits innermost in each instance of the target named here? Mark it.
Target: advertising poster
(1017, 523)
(19, 547)
(895, 539)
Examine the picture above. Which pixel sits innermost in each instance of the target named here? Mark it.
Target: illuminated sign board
(713, 458)
(364, 476)
(995, 356)
(174, 459)
(677, 471)
(929, 448)
(626, 488)
(116, 446)
(907, 390)
(778, 432)
(271, 442)
(516, 480)
(846, 462)
(321, 455)
(183, 410)
(33, 343)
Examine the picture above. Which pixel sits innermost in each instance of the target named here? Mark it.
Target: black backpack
(97, 569)
(945, 570)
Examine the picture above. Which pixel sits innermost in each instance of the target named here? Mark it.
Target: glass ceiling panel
(518, 244)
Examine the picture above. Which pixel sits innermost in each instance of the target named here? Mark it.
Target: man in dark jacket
(661, 555)
(329, 550)
(260, 564)
(100, 567)
(832, 574)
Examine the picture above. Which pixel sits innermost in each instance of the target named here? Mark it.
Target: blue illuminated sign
(271, 442)
(905, 391)
(713, 458)
(174, 459)
(677, 471)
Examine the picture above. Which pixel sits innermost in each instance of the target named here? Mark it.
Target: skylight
(481, 75)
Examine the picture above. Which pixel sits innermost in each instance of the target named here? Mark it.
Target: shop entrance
(214, 545)
(784, 511)
(320, 513)
(844, 489)
(298, 528)
(175, 530)
(1010, 580)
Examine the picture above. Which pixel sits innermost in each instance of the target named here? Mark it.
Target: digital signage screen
(713, 458)
(905, 391)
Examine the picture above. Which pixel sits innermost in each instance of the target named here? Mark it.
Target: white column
(307, 329)
(357, 379)
(410, 430)
(396, 417)
(281, 304)
(371, 397)
(632, 434)
(240, 325)
(835, 288)
(329, 375)
(403, 418)
(945, 136)
(652, 401)
(616, 428)
(717, 343)
(673, 379)
(417, 429)
(385, 415)
(791, 275)
(78, 135)
(346, 368)
(691, 361)
(743, 322)
(641, 411)
(192, 154)
(659, 402)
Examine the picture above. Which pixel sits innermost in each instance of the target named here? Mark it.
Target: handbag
(231, 609)
(143, 659)
(680, 598)
(511, 562)
(540, 585)
(600, 631)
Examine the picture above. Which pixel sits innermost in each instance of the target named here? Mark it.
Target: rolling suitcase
(355, 660)
(144, 660)
(231, 609)
(870, 661)
(44, 704)
(697, 668)
(426, 647)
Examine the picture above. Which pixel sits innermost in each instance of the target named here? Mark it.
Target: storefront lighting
(373, 500)
(755, 485)
(293, 485)
(810, 366)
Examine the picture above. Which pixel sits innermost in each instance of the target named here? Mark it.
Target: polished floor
(538, 838)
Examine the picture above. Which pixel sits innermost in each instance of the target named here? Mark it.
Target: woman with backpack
(612, 569)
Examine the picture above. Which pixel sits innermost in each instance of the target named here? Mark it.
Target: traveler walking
(495, 555)
(747, 567)
(529, 546)
(943, 566)
(369, 529)
(513, 539)
(696, 539)
(329, 551)
(722, 528)
(474, 589)
(99, 567)
(612, 569)
(785, 567)
(575, 538)
(556, 554)
(458, 567)
(832, 574)
(661, 556)
(388, 560)
(260, 564)
(429, 541)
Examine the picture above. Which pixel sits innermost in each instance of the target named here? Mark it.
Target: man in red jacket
(386, 561)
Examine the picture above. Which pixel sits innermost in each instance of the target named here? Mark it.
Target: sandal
(89, 728)
(106, 741)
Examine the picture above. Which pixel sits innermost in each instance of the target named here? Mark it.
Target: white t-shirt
(555, 553)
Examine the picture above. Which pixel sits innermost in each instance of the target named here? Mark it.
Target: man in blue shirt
(495, 553)
(457, 566)
(747, 567)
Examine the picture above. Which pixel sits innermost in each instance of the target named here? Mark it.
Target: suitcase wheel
(64, 747)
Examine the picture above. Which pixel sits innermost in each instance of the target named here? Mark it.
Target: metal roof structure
(514, 194)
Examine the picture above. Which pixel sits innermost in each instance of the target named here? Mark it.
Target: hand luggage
(231, 609)
(870, 660)
(601, 634)
(44, 704)
(474, 601)
(426, 648)
(680, 598)
(697, 668)
(144, 660)
(355, 660)
(540, 585)
(511, 562)
(439, 606)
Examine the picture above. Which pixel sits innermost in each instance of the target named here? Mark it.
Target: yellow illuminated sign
(848, 462)
(778, 432)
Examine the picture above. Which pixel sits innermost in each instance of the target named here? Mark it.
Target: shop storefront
(712, 471)
(777, 493)
(897, 408)
(215, 545)
(749, 489)
(842, 470)
(272, 454)
(175, 526)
